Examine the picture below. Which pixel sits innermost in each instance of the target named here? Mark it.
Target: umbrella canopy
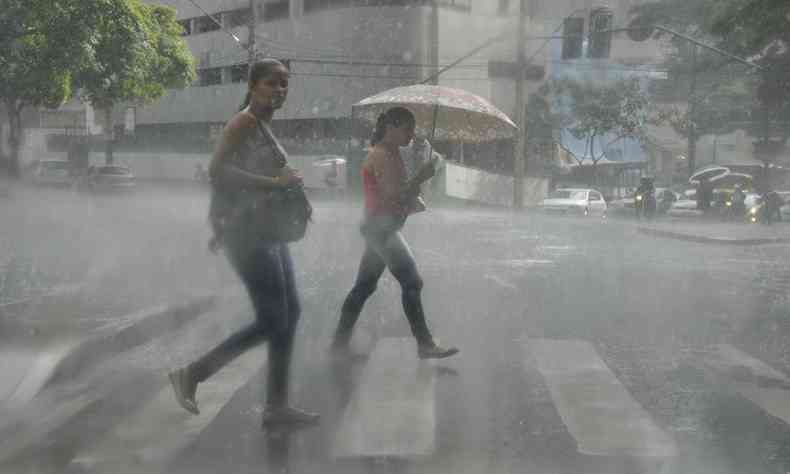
(708, 174)
(442, 113)
(730, 179)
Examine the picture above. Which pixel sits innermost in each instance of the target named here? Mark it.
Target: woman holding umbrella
(389, 199)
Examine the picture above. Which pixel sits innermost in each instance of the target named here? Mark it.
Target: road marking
(150, 437)
(392, 412)
(729, 360)
(25, 372)
(763, 385)
(596, 408)
(501, 281)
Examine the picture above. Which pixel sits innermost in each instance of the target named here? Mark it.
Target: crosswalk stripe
(727, 359)
(752, 379)
(25, 372)
(597, 410)
(158, 431)
(392, 411)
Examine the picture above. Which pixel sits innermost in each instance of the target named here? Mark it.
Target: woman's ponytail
(381, 128)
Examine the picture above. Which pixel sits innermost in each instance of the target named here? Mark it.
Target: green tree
(602, 115)
(136, 54)
(757, 101)
(40, 42)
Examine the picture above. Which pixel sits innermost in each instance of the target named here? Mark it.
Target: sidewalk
(706, 231)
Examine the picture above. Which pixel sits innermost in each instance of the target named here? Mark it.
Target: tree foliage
(40, 42)
(113, 50)
(135, 55)
(602, 115)
(758, 30)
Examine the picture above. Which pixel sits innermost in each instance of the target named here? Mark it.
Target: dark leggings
(385, 250)
(267, 272)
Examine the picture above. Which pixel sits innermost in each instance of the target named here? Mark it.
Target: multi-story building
(340, 51)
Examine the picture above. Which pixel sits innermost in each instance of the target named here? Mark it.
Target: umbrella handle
(433, 128)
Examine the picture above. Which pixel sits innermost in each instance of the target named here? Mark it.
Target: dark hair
(259, 70)
(396, 117)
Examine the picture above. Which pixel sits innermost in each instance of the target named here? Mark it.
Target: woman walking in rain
(389, 199)
(248, 160)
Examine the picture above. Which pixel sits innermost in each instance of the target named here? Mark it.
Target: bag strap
(266, 130)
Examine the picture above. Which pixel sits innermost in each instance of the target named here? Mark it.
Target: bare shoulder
(240, 122)
(377, 154)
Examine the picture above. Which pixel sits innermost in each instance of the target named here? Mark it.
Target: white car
(583, 202)
(52, 173)
(111, 178)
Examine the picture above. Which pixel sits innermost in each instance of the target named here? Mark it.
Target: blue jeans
(385, 247)
(267, 273)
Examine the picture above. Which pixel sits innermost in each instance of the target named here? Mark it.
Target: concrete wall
(181, 166)
(477, 185)
(314, 42)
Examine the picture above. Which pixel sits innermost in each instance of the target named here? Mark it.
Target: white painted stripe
(392, 412)
(729, 360)
(775, 401)
(147, 439)
(596, 408)
(37, 372)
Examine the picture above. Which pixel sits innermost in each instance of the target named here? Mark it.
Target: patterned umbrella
(442, 113)
(708, 173)
(730, 179)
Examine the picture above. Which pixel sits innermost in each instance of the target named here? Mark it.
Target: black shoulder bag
(280, 214)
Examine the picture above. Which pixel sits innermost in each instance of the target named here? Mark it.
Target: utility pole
(692, 132)
(433, 42)
(519, 167)
(251, 33)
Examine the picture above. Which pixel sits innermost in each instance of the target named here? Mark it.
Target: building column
(296, 9)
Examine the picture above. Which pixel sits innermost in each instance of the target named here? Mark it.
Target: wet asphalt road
(492, 281)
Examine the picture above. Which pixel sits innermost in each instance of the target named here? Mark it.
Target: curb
(711, 240)
(133, 330)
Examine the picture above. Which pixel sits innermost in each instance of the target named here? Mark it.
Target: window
(236, 18)
(572, 32)
(274, 10)
(311, 5)
(595, 196)
(458, 4)
(600, 33)
(187, 26)
(205, 24)
(210, 77)
(238, 73)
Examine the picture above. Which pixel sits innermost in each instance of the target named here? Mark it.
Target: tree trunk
(14, 137)
(108, 134)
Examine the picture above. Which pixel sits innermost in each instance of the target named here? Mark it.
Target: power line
(368, 62)
(230, 33)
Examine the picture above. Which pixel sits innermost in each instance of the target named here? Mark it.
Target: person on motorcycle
(645, 198)
(668, 198)
(773, 204)
(738, 200)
